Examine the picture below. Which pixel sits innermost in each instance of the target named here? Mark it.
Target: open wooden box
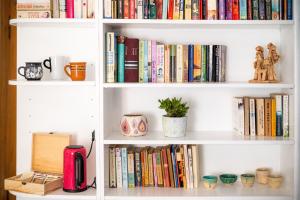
(47, 165)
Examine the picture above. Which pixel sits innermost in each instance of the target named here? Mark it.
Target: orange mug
(77, 71)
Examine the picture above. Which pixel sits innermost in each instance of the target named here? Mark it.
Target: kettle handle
(79, 169)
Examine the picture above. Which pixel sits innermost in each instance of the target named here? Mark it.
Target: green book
(141, 60)
(203, 59)
(152, 9)
(121, 58)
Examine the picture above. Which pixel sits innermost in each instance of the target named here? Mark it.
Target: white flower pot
(174, 126)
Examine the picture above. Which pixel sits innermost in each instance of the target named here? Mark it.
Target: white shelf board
(51, 22)
(209, 137)
(89, 194)
(202, 85)
(51, 83)
(221, 192)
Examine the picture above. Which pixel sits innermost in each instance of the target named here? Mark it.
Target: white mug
(56, 65)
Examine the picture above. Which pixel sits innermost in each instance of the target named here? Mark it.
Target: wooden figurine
(265, 67)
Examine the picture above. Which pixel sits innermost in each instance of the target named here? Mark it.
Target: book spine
(131, 178)
(138, 170)
(33, 14)
(275, 9)
(200, 9)
(149, 60)
(203, 67)
(273, 117)
(279, 115)
(212, 9)
(126, 9)
(238, 115)
(223, 63)
(243, 9)
(261, 9)
(84, 9)
(107, 8)
(197, 63)
(246, 116)
(260, 117)
(152, 9)
(132, 9)
(141, 60)
(146, 9)
(167, 63)
(195, 9)
(208, 49)
(191, 62)
(218, 63)
(91, 9)
(170, 9)
(214, 65)
(160, 181)
(285, 9)
(165, 168)
(268, 9)
(160, 63)
(119, 167)
(185, 57)
(249, 9)
(55, 11)
(235, 10)
(179, 63)
(204, 9)
(255, 10)
(143, 167)
(181, 170)
(222, 9)
(285, 116)
(210, 63)
(154, 49)
(174, 163)
(186, 166)
(146, 168)
(173, 63)
(151, 174)
(228, 9)
(140, 9)
(289, 9)
(124, 167)
(154, 169)
(131, 60)
(170, 165)
(62, 9)
(267, 120)
(110, 57)
(121, 58)
(146, 61)
(112, 168)
(159, 9)
(281, 10)
(165, 9)
(191, 178)
(195, 160)
(181, 9)
(252, 117)
(176, 9)
(77, 9)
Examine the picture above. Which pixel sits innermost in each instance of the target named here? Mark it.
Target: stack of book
(199, 9)
(55, 9)
(258, 116)
(169, 166)
(134, 60)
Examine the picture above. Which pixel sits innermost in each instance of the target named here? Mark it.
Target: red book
(235, 10)
(131, 9)
(69, 8)
(131, 60)
(159, 8)
(165, 167)
(126, 9)
(200, 10)
(170, 9)
(249, 9)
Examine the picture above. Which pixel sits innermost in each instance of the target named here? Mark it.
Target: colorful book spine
(203, 67)
(170, 165)
(249, 9)
(112, 168)
(252, 117)
(146, 9)
(222, 9)
(165, 165)
(191, 62)
(289, 9)
(149, 51)
(181, 9)
(167, 63)
(176, 9)
(131, 60)
(255, 10)
(141, 60)
(285, 115)
(235, 10)
(165, 9)
(275, 9)
(170, 9)
(159, 9)
(111, 59)
(273, 116)
(145, 62)
(152, 9)
(146, 171)
(181, 168)
(188, 9)
(121, 58)
(174, 164)
(185, 54)
(124, 167)
(212, 10)
(36, 6)
(119, 167)
(243, 9)
(197, 63)
(195, 9)
(279, 129)
(138, 169)
(150, 163)
(160, 63)
(160, 180)
(154, 60)
(208, 50)
(268, 9)
(179, 63)
(260, 116)
(131, 177)
(267, 120)
(140, 9)
(69, 8)
(33, 14)
(228, 9)
(200, 9)
(132, 9)
(173, 63)
(126, 9)
(261, 9)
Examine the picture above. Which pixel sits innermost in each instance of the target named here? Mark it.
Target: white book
(285, 116)
(62, 9)
(252, 117)
(91, 9)
(238, 115)
(84, 8)
(191, 168)
(186, 165)
(77, 9)
(107, 8)
(140, 9)
(179, 63)
(111, 65)
(55, 8)
(119, 167)
(160, 63)
(196, 164)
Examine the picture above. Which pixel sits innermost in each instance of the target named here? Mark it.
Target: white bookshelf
(95, 105)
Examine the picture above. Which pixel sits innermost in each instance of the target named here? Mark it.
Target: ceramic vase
(134, 125)
(174, 126)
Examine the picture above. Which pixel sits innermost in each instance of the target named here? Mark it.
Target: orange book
(197, 63)
(273, 117)
(165, 167)
(170, 166)
(267, 120)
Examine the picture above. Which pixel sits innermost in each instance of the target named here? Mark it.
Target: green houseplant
(175, 120)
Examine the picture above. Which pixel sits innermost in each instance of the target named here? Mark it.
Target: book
(212, 10)
(190, 159)
(260, 116)
(235, 10)
(165, 9)
(188, 9)
(249, 9)
(222, 9)
(77, 9)
(119, 167)
(174, 164)
(200, 9)
(173, 63)
(273, 116)
(165, 166)
(218, 62)
(176, 9)
(62, 9)
(228, 9)
(289, 10)
(210, 63)
(197, 63)
(181, 9)
(84, 9)
(155, 177)
(42, 5)
(204, 9)
(146, 73)
(131, 177)
(267, 120)
(146, 167)
(279, 128)
(144, 158)
(196, 164)
(153, 62)
(203, 67)
(140, 9)
(261, 9)
(170, 165)
(126, 9)
(160, 180)
(112, 167)
(91, 8)
(275, 9)
(146, 9)
(243, 9)
(111, 57)
(181, 167)
(167, 63)
(179, 63)
(124, 167)
(34, 14)
(131, 60)
(238, 115)
(121, 58)
(214, 63)
(132, 8)
(195, 9)
(55, 8)
(191, 62)
(160, 63)
(268, 9)
(138, 168)
(185, 53)
(170, 9)
(252, 117)
(186, 166)
(246, 116)
(141, 60)
(223, 64)
(149, 51)
(255, 10)
(108, 8)
(285, 115)
(150, 164)
(159, 9)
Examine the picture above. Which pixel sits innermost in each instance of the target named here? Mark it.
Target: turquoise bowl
(228, 178)
(210, 182)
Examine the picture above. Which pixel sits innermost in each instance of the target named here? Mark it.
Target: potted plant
(175, 121)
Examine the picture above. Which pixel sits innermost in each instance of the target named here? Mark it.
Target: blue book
(124, 167)
(121, 58)
(289, 9)
(243, 9)
(165, 9)
(275, 9)
(174, 163)
(146, 61)
(262, 9)
(191, 63)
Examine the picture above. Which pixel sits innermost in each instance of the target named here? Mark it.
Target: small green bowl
(228, 179)
(210, 182)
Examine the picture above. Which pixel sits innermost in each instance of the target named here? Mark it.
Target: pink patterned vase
(134, 125)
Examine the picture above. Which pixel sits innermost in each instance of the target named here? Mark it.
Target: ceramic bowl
(274, 181)
(262, 175)
(228, 179)
(247, 180)
(210, 182)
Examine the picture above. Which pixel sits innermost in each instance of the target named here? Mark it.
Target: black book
(204, 9)
(207, 63)
(218, 61)
(214, 64)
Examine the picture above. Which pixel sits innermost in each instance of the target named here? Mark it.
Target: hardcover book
(111, 57)
(174, 164)
(268, 112)
(255, 10)
(159, 170)
(197, 63)
(63, 9)
(138, 168)
(222, 9)
(112, 167)
(279, 128)
(131, 177)
(165, 9)
(260, 116)
(273, 116)
(181, 167)
(235, 10)
(150, 164)
(229, 9)
(289, 10)
(167, 63)
(188, 9)
(154, 169)
(268, 9)
(146, 9)
(140, 9)
(119, 167)
(170, 9)
(146, 61)
(77, 9)
(185, 53)
(154, 49)
(69, 8)
(149, 51)
(126, 9)
(195, 9)
(186, 166)
(181, 9)
(212, 10)
(141, 60)
(243, 9)
(191, 63)
(203, 67)
(131, 60)
(173, 63)
(159, 9)
(121, 58)
(179, 63)
(124, 167)
(246, 116)
(275, 9)
(107, 10)
(170, 165)
(285, 116)
(261, 9)
(249, 9)
(132, 8)
(84, 9)
(165, 165)
(196, 164)
(238, 115)
(55, 8)
(160, 63)
(252, 117)
(190, 159)
(176, 9)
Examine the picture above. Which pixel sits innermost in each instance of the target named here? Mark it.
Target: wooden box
(47, 165)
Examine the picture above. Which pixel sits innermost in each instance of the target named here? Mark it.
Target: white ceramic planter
(174, 126)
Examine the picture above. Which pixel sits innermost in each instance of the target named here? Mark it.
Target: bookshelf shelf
(51, 83)
(89, 194)
(235, 192)
(205, 137)
(53, 22)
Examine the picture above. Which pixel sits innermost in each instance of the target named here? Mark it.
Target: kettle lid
(74, 147)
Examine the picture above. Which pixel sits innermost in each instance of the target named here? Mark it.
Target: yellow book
(197, 63)
(273, 117)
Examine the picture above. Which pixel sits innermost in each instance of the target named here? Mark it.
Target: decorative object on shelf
(262, 175)
(74, 169)
(247, 180)
(228, 179)
(56, 66)
(274, 181)
(175, 121)
(134, 125)
(33, 71)
(210, 182)
(47, 165)
(77, 70)
(265, 67)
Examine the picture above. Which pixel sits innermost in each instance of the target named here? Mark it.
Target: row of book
(134, 60)
(199, 9)
(168, 166)
(257, 116)
(55, 9)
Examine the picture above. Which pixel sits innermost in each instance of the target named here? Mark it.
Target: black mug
(32, 71)
(49, 66)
